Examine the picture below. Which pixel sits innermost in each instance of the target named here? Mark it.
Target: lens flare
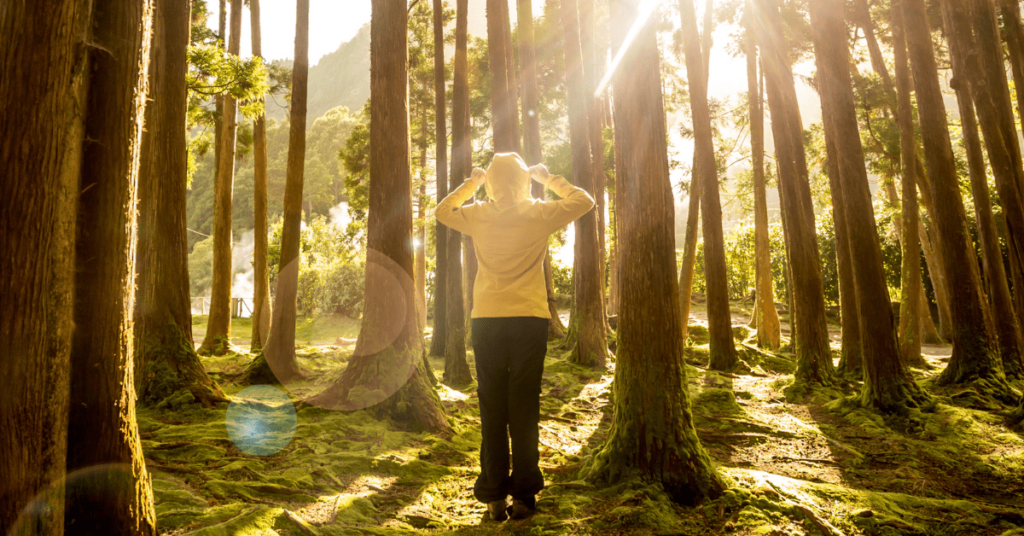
(261, 420)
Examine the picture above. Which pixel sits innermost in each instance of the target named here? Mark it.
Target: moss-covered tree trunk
(962, 51)
(102, 430)
(911, 289)
(41, 69)
(440, 336)
(652, 432)
(165, 358)
(262, 309)
(386, 372)
(766, 318)
(814, 360)
(975, 355)
(887, 384)
(723, 350)
(591, 345)
(218, 328)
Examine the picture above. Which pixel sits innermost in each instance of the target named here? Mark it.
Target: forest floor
(798, 463)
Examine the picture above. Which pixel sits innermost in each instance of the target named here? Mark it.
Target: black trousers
(509, 365)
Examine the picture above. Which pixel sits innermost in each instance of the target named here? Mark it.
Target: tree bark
(103, 438)
(218, 328)
(652, 432)
(37, 236)
(439, 339)
(591, 348)
(262, 309)
(769, 332)
(280, 348)
(689, 254)
(814, 360)
(975, 354)
(510, 77)
(503, 114)
(911, 289)
(591, 76)
(532, 150)
(456, 367)
(420, 242)
(851, 360)
(888, 385)
(165, 358)
(965, 69)
(386, 372)
(723, 350)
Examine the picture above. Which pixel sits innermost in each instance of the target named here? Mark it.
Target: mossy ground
(798, 463)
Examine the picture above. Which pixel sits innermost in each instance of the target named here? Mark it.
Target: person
(510, 317)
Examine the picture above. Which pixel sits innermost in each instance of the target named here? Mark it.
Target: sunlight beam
(643, 13)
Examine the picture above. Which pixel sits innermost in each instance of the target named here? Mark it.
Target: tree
(386, 371)
(592, 72)
(532, 149)
(887, 384)
(723, 351)
(440, 337)
(591, 347)
(503, 106)
(769, 332)
(974, 351)
(261, 296)
(814, 360)
(280, 349)
(910, 269)
(101, 422)
(165, 359)
(456, 368)
(652, 430)
(37, 226)
(218, 327)
(965, 68)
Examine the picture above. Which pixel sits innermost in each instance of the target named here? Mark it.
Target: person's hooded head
(508, 178)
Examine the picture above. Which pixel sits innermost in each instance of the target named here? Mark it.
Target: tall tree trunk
(928, 331)
(591, 76)
(439, 339)
(911, 289)
(262, 309)
(532, 150)
(689, 253)
(279, 352)
(218, 328)
(814, 360)
(420, 256)
(931, 259)
(1014, 36)
(386, 372)
(888, 385)
(723, 350)
(41, 69)
(974, 350)
(510, 75)
(503, 114)
(851, 360)
(768, 329)
(591, 348)
(966, 69)
(456, 367)
(103, 437)
(165, 358)
(652, 432)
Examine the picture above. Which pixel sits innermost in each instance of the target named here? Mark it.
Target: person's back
(510, 317)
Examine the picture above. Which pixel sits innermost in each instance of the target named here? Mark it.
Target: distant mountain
(341, 78)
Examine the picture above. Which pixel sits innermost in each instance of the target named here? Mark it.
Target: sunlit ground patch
(261, 420)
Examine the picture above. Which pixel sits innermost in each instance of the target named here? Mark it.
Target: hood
(508, 179)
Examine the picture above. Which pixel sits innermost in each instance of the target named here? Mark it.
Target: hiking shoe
(520, 510)
(496, 510)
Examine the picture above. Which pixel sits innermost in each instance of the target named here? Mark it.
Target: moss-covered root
(895, 395)
(1017, 415)
(981, 367)
(217, 346)
(258, 372)
(169, 364)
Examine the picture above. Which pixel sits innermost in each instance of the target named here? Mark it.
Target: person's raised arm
(450, 212)
(574, 201)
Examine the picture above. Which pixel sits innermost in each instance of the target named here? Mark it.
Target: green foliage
(561, 276)
(739, 260)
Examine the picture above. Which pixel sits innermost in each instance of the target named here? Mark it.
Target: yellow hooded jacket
(510, 235)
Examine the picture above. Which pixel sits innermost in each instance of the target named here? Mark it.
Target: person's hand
(478, 176)
(540, 174)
